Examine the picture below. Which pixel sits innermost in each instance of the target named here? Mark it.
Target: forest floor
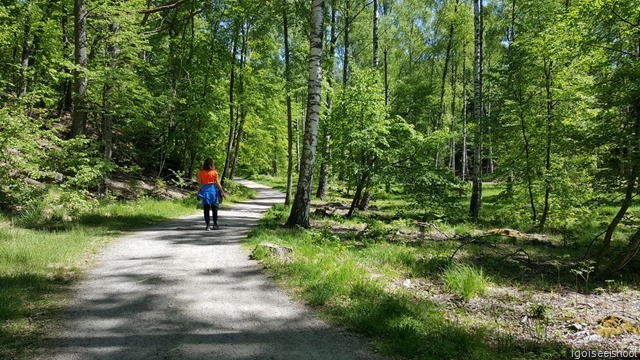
(538, 309)
(606, 321)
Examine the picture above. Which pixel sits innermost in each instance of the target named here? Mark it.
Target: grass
(466, 281)
(276, 182)
(39, 264)
(348, 279)
(356, 278)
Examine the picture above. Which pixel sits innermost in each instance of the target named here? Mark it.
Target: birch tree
(300, 209)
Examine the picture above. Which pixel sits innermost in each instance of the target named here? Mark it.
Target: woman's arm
(218, 184)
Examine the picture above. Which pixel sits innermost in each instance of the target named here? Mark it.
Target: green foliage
(20, 158)
(361, 128)
(584, 270)
(79, 160)
(436, 191)
(465, 281)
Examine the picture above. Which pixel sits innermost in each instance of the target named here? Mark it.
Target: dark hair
(208, 164)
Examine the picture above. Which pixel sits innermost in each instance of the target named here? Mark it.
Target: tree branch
(613, 10)
(162, 7)
(620, 51)
(165, 27)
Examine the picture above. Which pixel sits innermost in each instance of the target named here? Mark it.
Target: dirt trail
(176, 291)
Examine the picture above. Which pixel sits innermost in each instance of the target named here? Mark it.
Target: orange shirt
(208, 177)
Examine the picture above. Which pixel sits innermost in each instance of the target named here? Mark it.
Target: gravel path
(176, 291)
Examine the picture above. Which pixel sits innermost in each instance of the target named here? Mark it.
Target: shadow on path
(176, 291)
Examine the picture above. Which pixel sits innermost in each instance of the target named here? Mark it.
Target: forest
(498, 113)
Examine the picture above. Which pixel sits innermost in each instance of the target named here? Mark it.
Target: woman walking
(209, 193)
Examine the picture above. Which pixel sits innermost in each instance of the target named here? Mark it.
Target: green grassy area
(276, 182)
(348, 279)
(353, 271)
(39, 265)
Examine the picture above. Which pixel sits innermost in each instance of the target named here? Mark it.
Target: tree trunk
(375, 34)
(624, 206)
(238, 141)
(527, 155)
(630, 252)
(452, 141)
(363, 205)
(242, 112)
(548, 72)
(411, 51)
(108, 117)
(465, 112)
(476, 191)
(287, 72)
(632, 184)
(297, 132)
(79, 122)
(326, 146)
(357, 196)
(445, 69)
(364, 200)
(487, 115)
(232, 124)
(345, 59)
(299, 215)
(386, 77)
(26, 53)
(66, 91)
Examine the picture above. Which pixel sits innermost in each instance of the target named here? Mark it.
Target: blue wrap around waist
(208, 195)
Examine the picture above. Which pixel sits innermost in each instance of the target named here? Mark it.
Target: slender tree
(80, 95)
(476, 177)
(287, 75)
(326, 134)
(299, 215)
(375, 34)
(232, 107)
(108, 117)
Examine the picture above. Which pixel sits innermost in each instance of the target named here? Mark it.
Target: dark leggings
(214, 211)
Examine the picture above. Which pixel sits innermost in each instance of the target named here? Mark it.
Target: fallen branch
(521, 250)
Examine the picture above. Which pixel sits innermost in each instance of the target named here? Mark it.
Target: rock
(33, 182)
(575, 327)
(281, 252)
(594, 338)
